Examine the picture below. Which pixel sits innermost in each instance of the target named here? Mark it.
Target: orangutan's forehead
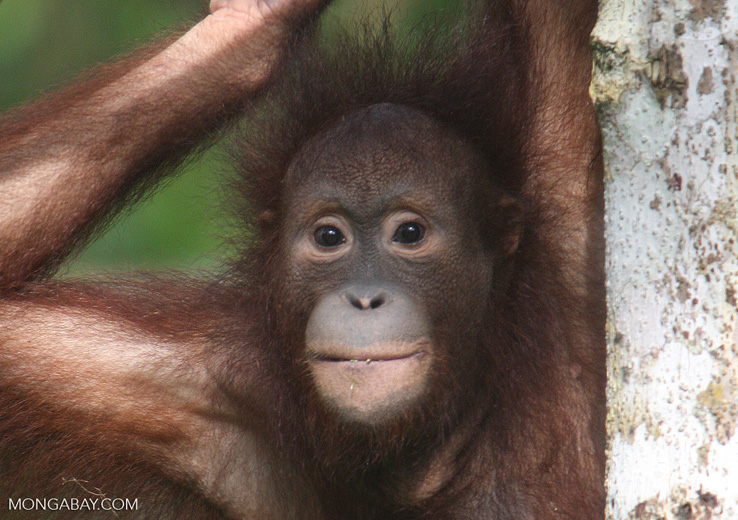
(380, 150)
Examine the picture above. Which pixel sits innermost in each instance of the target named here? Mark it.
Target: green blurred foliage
(44, 43)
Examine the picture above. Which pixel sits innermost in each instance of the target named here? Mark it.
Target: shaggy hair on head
(470, 77)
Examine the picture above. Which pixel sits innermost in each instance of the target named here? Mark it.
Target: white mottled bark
(665, 86)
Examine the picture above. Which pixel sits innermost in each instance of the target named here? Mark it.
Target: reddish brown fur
(514, 86)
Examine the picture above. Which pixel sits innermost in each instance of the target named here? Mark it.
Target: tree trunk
(665, 87)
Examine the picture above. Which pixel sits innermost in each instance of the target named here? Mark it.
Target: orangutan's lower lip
(368, 382)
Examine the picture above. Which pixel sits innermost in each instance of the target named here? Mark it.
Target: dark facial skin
(379, 233)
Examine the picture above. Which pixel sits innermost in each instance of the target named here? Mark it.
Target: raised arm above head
(71, 159)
